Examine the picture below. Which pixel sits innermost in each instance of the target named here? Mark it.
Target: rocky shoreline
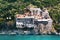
(26, 33)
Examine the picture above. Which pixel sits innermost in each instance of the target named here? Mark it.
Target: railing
(43, 19)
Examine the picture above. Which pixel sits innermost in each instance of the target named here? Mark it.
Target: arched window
(41, 13)
(33, 12)
(36, 11)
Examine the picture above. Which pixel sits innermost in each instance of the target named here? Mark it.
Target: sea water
(29, 37)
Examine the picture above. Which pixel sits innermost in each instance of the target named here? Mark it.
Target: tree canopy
(12, 7)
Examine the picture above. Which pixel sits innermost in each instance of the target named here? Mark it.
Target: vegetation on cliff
(8, 8)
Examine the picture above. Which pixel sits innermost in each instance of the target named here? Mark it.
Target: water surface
(29, 37)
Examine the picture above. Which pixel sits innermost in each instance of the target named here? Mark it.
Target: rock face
(44, 29)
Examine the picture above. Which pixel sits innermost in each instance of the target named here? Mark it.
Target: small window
(40, 13)
(36, 11)
(33, 12)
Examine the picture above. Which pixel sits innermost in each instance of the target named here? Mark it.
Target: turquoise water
(29, 37)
